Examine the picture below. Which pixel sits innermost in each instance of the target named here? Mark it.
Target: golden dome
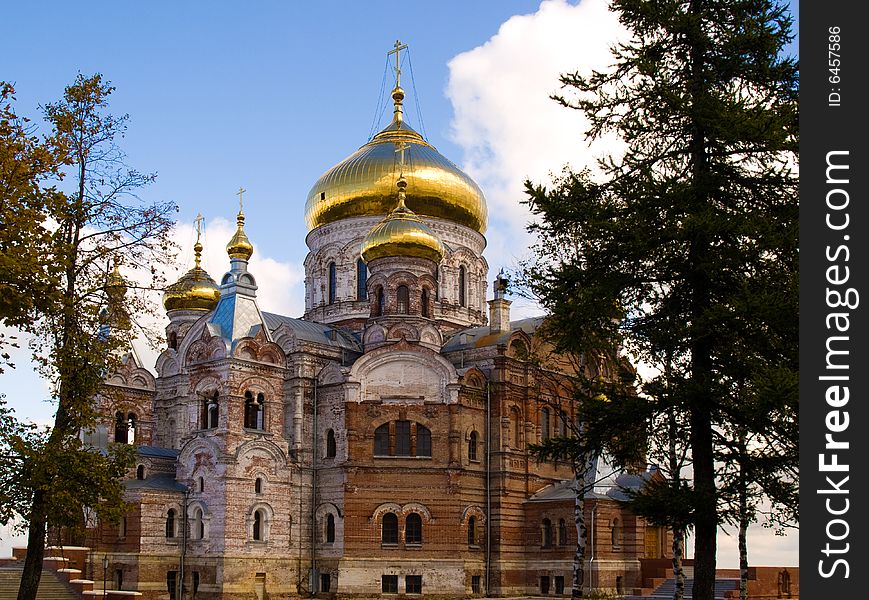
(116, 285)
(195, 290)
(363, 184)
(402, 233)
(239, 246)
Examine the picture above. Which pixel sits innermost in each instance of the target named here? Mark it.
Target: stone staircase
(50, 585)
(724, 589)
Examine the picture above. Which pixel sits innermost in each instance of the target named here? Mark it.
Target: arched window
(423, 303)
(258, 485)
(198, 529)
(140, 472)
(616, 533)
(332, 283)
(380, 304)
(258, 525)
(472, 531)
(253, 411)
(562, 532)
(413, 529)
(423, 440)
(201, 484)
(546, 533)
(209, 411)
(389, 529)
(361, 280)
(122, 429)
(462, 284)
(562, 423)
(402, 300)
(472, 446)
(544, 424)
(331, 448)
(330, 528)
(170, 523)
(381, 440)
(173, 340)
(131, 428)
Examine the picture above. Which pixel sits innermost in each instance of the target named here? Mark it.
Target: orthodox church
(374, 447)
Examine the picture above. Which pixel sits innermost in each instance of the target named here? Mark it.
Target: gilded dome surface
(239, 245)
(402, 233)
(364, 183)
(195, 290)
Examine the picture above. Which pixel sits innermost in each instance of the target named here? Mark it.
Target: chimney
(499, 307)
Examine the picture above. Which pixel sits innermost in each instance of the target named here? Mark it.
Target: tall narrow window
(562, 532)
(330, 528)
(331, 446)
(361, 280)
(258, 486)
(472, 446)
(258, 525)
(381, 440)
(172, 584)
(462, 277)
(173, 340)
(381, 303)
(170, 523)
(198, 526)
(423, 303)
(562, 423)
(211, 412)
(472, 531)
(253, 411)
(516, 424)
(122, 430)
(546, 533)
(544, 424)
(333, 282)
(423, 440)
(402, 438)
(413, 529)
(402, 299)
(131, 428)
(616, 533)
(389, 529)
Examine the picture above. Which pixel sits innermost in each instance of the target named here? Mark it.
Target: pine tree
(686, 246)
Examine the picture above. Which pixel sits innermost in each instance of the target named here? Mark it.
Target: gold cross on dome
(396, 50)
(239, 193)
(400, 147)
(198, 224)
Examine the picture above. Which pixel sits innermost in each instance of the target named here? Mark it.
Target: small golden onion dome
(195, 290)
(116, 285)
(402, 233)
(363, 184)
(239, 246)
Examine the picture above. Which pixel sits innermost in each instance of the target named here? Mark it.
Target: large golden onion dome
(195, 290)
(402, 233)
(363, 184)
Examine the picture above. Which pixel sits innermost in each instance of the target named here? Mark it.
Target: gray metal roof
(480, 337)
(310, 331)
(158, 482)
(156, 451)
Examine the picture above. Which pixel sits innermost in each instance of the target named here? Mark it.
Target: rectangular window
(544, 584)
(389, 584)
(172, 584)
(475, 584)
(381, 440)
(195, 582)
(119, 579)
(402, 438)
(325, 582)
(413, 584)
(559, 584)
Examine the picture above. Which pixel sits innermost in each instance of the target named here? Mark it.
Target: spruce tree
(685, 247)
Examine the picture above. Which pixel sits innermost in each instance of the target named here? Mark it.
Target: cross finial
(400, 147)
(396, 49)
(197, 247)
(239, 193)
(198, 224)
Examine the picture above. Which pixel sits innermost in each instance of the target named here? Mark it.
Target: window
(546, 533)
(562, 532)
(472, 531)
(258, 525)
(562, 423)
(472, 446)
(170, 523)
(140, 472)
(544, 424)
(402, 438)
(325, 582)
(198, 525)
(462, 278)
(389, 529)
(131, 428)
(122, 527)
(423, 440)
(559, 584)
(402, 299)
(201, 484)
(389, 584)
(516, 424)
(119, 579)
(423, 302)
(544, 584)
(253, 411)
(330, 528)
(258, 485)
(209, 412)
(616, 533)
(172, 584)
(331, 448)
(173, 340)
(413, 529)
(122, 429)
(195, 582)
(413, 584)
(333, 282)
(361, 280)
(476, 588)
(381, 440)
(379, 306)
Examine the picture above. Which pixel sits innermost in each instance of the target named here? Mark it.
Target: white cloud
(510, 131)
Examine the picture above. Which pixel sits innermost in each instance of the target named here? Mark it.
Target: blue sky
(269, 95)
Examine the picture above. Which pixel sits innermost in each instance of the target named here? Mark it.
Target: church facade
(376, 446)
